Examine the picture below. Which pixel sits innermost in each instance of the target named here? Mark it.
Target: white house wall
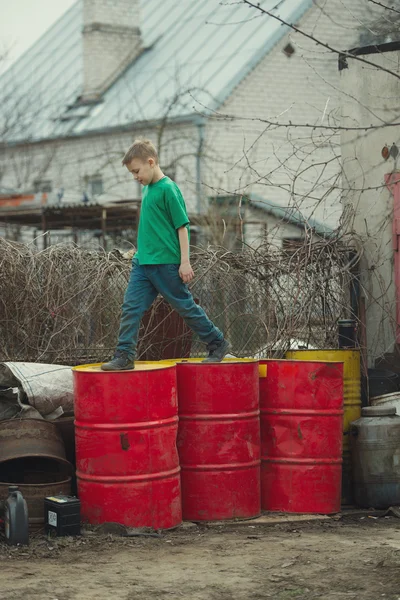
(68, 162)
(372, 98)
(270, 228)
(250, 156)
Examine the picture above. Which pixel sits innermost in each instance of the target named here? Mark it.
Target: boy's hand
(186, 272)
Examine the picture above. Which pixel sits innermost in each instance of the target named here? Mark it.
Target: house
(239, 105)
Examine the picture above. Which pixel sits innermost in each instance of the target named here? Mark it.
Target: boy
(161, 264)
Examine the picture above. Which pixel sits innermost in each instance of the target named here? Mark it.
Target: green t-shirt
(163, 211)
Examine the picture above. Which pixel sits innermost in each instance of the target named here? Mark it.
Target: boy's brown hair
(142, 149)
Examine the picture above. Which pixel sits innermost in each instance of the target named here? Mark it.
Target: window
(228, 205)
(42, 185)
(224, 223)
(96, 187)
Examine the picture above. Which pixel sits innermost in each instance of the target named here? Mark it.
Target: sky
(22, 22)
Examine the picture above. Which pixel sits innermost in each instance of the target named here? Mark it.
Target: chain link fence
(269, 301)
(63, 305)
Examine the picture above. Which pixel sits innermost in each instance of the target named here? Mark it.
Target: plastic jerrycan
(16, 527)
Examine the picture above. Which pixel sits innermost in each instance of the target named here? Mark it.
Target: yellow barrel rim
(298, 360)
(200, 360)
(324, 350)
(139, 367)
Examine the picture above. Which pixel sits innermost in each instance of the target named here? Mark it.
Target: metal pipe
(199, 153)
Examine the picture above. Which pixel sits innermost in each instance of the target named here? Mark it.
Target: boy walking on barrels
(161, 264)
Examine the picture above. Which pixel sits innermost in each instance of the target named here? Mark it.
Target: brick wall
(112, 12)
(289, 165)
(68, 163)
(111, 40)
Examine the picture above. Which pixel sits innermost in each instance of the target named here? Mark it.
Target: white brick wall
(67, 163)
(371, 97)
(289, 165)
(123, 13)
(111, 40)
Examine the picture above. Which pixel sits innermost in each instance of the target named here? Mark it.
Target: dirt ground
(357, 557)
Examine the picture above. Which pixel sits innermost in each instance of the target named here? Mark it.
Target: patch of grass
(288, 594)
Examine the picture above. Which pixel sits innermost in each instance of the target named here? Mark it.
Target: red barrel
(126, 425)
(301, 405)
(219, 440)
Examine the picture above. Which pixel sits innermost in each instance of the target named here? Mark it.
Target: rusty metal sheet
(31, 437)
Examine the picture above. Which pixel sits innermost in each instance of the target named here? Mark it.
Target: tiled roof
(199, 50)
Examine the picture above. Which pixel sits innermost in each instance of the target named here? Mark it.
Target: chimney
(111, 41)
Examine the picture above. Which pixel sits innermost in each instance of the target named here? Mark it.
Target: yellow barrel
(352, 401)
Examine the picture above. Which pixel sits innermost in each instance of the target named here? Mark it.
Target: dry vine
(62, 305)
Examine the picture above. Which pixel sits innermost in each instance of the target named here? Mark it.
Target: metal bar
(392, 181)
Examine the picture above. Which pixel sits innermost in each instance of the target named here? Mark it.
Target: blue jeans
(145, 283)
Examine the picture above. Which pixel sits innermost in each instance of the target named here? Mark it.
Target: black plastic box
(62, 515)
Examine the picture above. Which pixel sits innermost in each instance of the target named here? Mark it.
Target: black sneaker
(217, 352)
(120, 362)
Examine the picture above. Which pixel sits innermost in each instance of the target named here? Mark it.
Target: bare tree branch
(318, 41)
(384, 6)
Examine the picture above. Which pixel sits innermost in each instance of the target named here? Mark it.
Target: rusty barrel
(25, 438)
(219, 440)
(301, 413)
(351, 397)
(127, 462)
(32, 456)
(35, 485)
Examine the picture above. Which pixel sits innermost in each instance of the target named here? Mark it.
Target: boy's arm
(185, 270)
